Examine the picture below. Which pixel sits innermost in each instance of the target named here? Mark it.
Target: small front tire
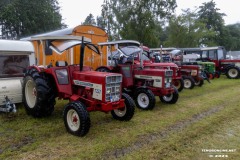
(170, 98)
(144, 99)
(126, 113)
(76, 119)
(189, 82)
(199, 83)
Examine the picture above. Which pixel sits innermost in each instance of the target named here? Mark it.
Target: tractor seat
(61, 63)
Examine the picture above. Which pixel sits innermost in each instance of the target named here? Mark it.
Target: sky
(74, 12)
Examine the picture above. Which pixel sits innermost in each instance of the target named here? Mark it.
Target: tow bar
(8, 107)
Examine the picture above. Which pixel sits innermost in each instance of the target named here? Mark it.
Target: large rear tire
(76, 119)
(126, 113)
(233, 73)
(144, 99)
(38, 96)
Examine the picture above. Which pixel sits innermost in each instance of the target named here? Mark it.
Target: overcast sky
(74, 12)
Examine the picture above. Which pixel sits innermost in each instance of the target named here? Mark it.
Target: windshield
(130, 50)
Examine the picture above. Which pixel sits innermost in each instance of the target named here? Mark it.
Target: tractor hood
(160, 65)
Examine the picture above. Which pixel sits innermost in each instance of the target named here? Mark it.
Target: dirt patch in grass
(146, 139)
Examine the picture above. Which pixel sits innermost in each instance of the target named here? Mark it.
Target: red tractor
(191, 74)
(218, 55)
(155, 62)
(139, 79)
(86, 90)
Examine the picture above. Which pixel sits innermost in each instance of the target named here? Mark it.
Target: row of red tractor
(134, 76)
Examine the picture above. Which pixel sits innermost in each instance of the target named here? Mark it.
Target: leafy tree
(213, 19)
(100, 22)
(187, 31)
(20, 18)
(231, 37)
(90, 20)
(137, 19)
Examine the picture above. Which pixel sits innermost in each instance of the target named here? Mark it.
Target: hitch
(204, 76)
(8, 107)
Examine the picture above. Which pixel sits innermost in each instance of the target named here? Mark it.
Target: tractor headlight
(113, 88)
(117, 89)
(108, 90)
(194, 73)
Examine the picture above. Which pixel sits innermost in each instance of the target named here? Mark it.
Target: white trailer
(15, 57)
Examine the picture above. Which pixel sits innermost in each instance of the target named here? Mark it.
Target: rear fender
(107, 67)
(38, 68)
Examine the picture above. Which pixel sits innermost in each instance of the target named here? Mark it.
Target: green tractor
(209, 69)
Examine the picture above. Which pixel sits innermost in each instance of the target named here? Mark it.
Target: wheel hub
(143, 100)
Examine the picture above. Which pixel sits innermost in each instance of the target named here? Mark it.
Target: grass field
(203, 124)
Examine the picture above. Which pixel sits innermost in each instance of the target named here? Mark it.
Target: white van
(15, 57)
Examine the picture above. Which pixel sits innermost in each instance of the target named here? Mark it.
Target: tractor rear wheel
(144, 99)
(179, 84)
(189, 82)
(233, 73)
(76, 119)
(170, 98)
(126, 113)
(38, 96)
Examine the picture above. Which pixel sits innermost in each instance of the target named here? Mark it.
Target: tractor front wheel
(126, 113)
(38, 94)
(188, 82)
(170, 98)
(76, 119)
(199, 83)
(144, 99)
(233, 73)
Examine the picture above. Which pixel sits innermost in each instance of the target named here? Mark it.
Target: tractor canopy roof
(125, 42)
(61, 43)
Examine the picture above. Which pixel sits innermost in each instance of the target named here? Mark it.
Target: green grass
(203, 118)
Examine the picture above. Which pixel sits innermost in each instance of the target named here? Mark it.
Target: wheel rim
(73, 120)
(143, 100)
(187, 83)
(168, 98)
(31, 93)
(120, 112)
(233, 72)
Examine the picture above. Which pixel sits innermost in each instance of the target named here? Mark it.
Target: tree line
(151, 22)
